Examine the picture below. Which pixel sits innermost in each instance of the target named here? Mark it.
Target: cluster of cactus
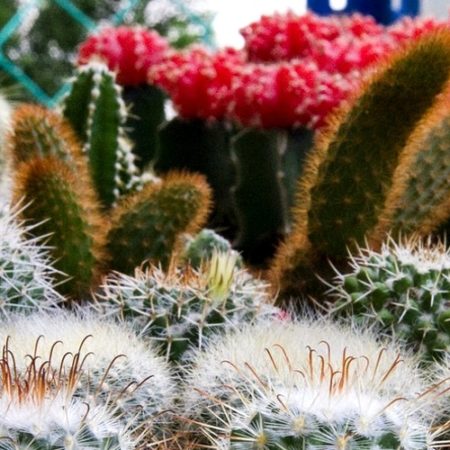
(85, 192)
(26, 275)
(405, 288)
(75, 381)
(307, 386)
(181, 309)
(349, 191)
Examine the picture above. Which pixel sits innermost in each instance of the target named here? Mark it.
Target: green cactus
(39, 132)
(146, 114)
(95, 109)
(203, 147)
(349, 174)
(63, 207)
(404, 289)
(182, 308)
(201, 247)
(418, 201)
(148, 226)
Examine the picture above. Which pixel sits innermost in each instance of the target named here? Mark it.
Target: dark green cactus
(259, 194)
(202, 147)
(95, 109)
(64, 208)
(350, 172)
(148, 226)
(403, 289)
(146, 114)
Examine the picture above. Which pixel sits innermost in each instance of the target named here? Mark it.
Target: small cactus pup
(27, 275)
(63, 207)
(96, 111)
(100, 364)
(184, 307)
(148, 227)
(350, 172)
(404, 288)
(301, 385)
(131, 52)
(203, 245)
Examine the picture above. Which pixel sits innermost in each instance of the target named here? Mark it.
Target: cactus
(63, 207)
(26, 274)
(203, 147)
(201, 247)
(402, 289)
(95, 109)
(102, 364)
(148, 226)
(307, 386)
(38, 132)
(348, 176)
(182, 308)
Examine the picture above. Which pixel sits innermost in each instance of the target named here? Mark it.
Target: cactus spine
(64, 208)
(148, 226)
(348, 176)
(97, 113)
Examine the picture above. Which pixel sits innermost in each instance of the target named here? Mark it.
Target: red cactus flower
(198, 81)
(130, 51)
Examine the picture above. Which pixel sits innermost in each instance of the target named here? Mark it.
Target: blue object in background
(384, 11)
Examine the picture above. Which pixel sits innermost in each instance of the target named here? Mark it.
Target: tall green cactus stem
(146, 114)
(259, 194)
(39, 132)
(348, 176)
(147, 227)
(202, 147)
(419, 200)
(63, 207)
(98, 114)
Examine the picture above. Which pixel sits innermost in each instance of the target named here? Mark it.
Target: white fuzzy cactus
(116, 370)
(286, 386)
(181, 308)
(26, 273)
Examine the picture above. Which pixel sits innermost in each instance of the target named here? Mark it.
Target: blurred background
(39, 38)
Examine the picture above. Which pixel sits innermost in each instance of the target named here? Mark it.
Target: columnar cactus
(307, 386)
(182, 308)
(96, 362)
(27, 276)
(403, 288)
(95, 109)
(349, 174)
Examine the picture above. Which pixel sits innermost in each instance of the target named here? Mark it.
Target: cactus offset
(63, 207)
(403, 289)
(97, 113)
(183, 308)
(349, 174)
(147, 226)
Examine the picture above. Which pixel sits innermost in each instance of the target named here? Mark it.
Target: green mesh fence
(69, 11)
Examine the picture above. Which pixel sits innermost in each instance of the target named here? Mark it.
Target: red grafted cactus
(285, 95)
(129, 51)
(198, 81)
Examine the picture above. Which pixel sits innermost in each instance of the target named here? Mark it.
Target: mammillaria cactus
(93, 361)
(27, 276)
(307, 386)
(403, 288)
(182, 308)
